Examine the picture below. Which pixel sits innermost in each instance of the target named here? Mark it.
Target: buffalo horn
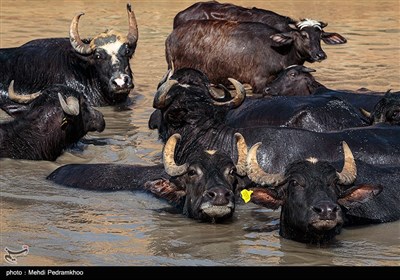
(238, 98)
(71, 107)
(162, 91)
(349, 173)
(242, 155)
(133, 33)
(170, 166)
(74, 38)
(21, 98)
(255, 172)
(365, 113)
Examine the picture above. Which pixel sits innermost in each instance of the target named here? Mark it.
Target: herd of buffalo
(328, 158)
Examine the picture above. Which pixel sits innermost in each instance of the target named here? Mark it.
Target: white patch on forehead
(112, 49)
(211, 152)
(312, 160)
(308, 23)
(184, 85)
(291, 66)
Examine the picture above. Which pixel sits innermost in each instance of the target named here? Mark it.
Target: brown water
(65, 226)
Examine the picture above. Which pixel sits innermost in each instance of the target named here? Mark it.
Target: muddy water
(65, 226)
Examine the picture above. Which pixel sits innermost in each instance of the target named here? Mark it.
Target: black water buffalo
(200, 118)
(98, 68)
(297, 80)
(317, 200)
(52, 122)
(294, 80)
(317, 113)
(386, 110)
(202, 184)
(250, 52)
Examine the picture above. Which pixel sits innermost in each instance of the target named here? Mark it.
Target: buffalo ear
(266, 197)
(163, 188)
(281, 39)
(358, 194)
(332, 38)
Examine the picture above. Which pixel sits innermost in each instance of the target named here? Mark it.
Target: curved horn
(349, 173)
(212, 89)
(256, 174)
(71, 107)
(21, 98)
(307, 69)
(162, 91)
(238, 98)
(169, 157)
(133, 33)
(74, 38)
(242, 155)
(365, 113)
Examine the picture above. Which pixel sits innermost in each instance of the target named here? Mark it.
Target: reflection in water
(65, 226)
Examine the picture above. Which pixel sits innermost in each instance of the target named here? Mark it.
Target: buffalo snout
(218, 196)
(121, 82)
(326, 210)
(319, 56)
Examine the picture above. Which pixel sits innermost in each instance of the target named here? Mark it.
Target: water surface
(65, 226)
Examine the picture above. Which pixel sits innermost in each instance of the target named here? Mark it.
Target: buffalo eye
(192, 172)
(98, 55)
(126, 50)
(295, 183)
(232, 171)
(292, 74)
(395, 115)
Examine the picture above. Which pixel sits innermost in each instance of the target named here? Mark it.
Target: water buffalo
(312, 30)
(294, 80)
(200, 118)
(317, 200)
(201, 184)
(386, 110)
(317, 113)
(54, 120)
(98, 68)
(250, 52)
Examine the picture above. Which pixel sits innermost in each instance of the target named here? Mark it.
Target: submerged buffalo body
(317, 113)
(202, 186)
(52, 122)
(190, 110)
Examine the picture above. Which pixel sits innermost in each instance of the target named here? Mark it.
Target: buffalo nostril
(317, 210)
(219, 195)
(211, 194)
(325, 208)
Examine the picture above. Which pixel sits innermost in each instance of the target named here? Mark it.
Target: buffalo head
(306, 36)
(205, 184)
(293, 80)
(186, 97)
(387, 110)
(312, 194)
(110, 53)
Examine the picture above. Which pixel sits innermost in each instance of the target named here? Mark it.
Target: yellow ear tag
(246, 195)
